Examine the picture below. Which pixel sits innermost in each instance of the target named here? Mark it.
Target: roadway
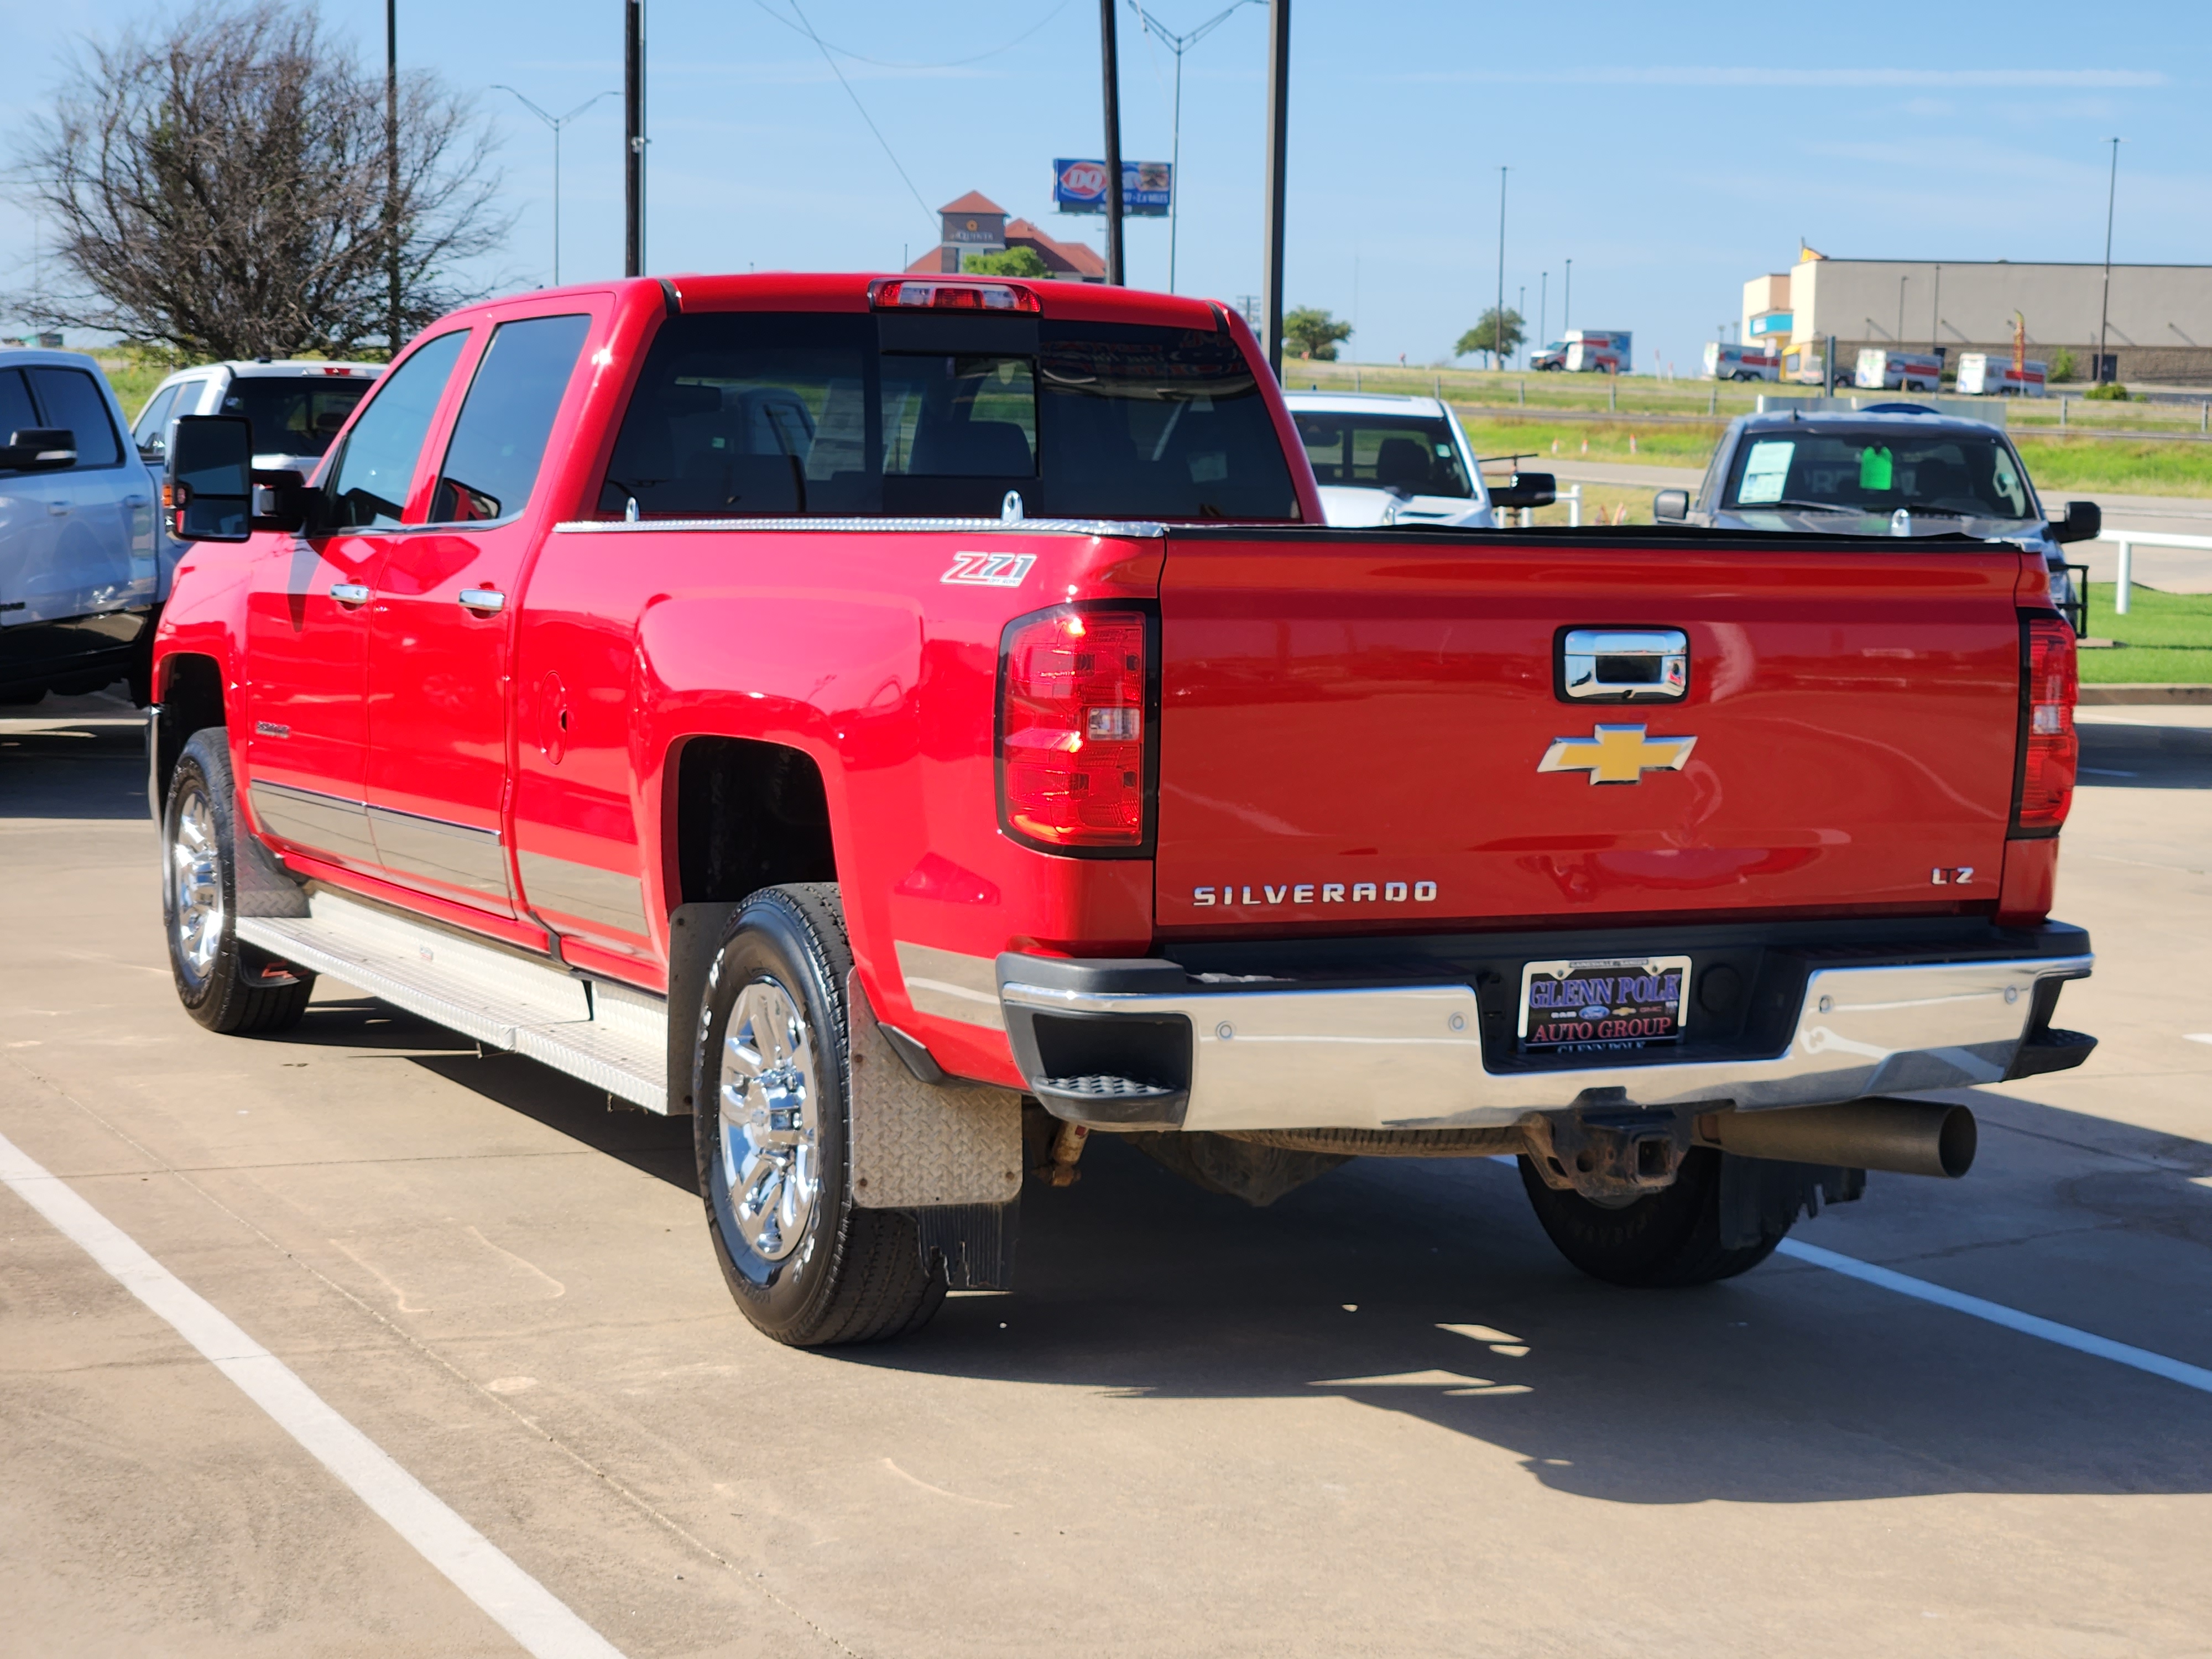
(1381, 1417)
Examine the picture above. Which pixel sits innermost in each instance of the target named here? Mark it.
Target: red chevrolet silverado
(910, 726)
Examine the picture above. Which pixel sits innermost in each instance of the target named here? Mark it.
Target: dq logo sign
(1083, 181)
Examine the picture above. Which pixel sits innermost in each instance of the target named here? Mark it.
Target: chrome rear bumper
(1410, 1056)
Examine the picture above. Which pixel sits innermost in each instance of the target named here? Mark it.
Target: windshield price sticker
(1766, 472)
(1599, 1005)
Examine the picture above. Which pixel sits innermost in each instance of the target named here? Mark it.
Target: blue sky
(1670, 152)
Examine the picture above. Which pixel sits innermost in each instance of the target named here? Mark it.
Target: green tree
(1484, 335)
(1313, 332)
(2063, 367)
(1007, 262)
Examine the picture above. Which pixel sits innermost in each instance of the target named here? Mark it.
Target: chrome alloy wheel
(195, 883)
(770, 1106)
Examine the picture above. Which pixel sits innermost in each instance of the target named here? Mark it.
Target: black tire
(843, 1274)
(226, 985)
(1667, 1238)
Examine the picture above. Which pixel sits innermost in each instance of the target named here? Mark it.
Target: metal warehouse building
(2157, 324)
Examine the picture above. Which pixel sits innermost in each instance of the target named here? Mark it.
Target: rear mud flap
(1760, 1198)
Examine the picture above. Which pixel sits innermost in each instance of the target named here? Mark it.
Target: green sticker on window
(1875, 468)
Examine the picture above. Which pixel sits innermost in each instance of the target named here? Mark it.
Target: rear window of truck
(760, 414)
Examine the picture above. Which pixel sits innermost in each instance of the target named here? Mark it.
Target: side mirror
(39, 449)
(209, 491)
(2084, 522)
(1670, 506)
(1526, 490)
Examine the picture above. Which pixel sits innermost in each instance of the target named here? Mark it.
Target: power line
(807, 28)
(892, 63)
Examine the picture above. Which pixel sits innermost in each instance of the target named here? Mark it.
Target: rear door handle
(484, 601)
(349, 593)
(59, 509)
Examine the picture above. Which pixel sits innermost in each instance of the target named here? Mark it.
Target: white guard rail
(2128, 540)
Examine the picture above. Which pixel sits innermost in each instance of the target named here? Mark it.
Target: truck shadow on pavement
(1427, 1289)
(56, 762)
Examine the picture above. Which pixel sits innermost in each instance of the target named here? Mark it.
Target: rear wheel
(1669, 1237)
(226, 984)
(806, 1265)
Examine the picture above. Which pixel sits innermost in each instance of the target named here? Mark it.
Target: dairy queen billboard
(1080, 187)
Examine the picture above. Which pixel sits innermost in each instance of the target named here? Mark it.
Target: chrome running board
(611, 1036)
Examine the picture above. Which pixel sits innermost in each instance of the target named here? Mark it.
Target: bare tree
(220, 189)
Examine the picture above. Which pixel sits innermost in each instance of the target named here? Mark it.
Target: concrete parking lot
(1379, 1417)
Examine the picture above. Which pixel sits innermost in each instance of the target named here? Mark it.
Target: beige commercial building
(2159, 327)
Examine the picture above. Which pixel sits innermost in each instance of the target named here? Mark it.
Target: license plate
(1607, 1003)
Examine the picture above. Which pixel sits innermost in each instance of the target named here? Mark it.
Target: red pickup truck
(911, 726)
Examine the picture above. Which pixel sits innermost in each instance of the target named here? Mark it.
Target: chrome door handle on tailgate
(1625, 665)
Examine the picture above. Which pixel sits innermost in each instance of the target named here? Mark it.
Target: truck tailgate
(1351, 731)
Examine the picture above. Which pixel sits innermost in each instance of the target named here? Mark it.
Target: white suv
(296, 408)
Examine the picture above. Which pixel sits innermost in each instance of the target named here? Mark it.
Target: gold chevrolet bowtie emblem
(1617, 754)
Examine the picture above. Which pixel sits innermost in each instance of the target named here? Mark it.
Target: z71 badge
(989, 570)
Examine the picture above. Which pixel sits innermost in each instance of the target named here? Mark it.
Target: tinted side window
(369, 488)
(499, 441)
(152, 432)
(752, 413)
(70, 397)
(16, 413)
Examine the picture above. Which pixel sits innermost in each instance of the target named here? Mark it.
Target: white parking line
(524, 1608)
(2050, 1330)
(2142, 1359)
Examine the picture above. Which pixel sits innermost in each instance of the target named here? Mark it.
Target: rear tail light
(1073, 730)
(901, 294)
(2048, 749)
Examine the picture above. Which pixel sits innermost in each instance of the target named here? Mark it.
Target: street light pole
(1180, 44)
(2105, 312)
(1109, 54)
(392, 173)
(1278, 134)
(1543, 307)
(1497, 322)
(1567, 302)
(555, 122)
(633, 137)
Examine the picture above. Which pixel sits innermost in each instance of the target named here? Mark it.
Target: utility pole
(1498, 328)
(1521, 305)
(633, 137)
(1899, 336)
(1109, 56)
(1180, 44)
(2105, 313)
(555, 122)
(392, 325)
(1935, 315)
(1278, 130)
